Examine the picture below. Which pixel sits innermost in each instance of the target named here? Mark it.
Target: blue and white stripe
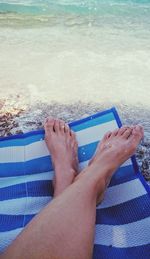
(26, 173)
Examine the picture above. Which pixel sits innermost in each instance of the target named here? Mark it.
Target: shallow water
(65, 51)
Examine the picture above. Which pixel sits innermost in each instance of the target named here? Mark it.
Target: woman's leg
(64, 229)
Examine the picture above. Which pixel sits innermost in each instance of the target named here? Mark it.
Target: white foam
(80, 64)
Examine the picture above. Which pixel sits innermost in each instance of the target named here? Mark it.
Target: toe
(137, 132)
(72, 134)
(136, 137)
(74, 139)
(122, 130)
(62, 126)
(107, 135)
(105, 138)
(67, 129)
(114, 133)
(56, 126)
(49, 124)
(127, 133)
(138, 129)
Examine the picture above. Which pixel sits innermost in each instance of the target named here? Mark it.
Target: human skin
(64, 229)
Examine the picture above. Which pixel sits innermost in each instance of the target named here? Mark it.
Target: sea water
(87, 51)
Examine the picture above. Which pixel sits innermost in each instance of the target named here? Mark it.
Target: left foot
(114, 149)
(62, 145)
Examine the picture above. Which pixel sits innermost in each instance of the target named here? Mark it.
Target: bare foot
(114, 149)
(62, 145)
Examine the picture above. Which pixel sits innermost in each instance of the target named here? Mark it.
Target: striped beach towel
(26, 173)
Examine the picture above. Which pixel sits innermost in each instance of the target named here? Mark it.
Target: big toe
(138, 132)
(136, 136)
(49, 125)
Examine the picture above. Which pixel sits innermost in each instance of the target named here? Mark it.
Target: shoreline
(17, 118)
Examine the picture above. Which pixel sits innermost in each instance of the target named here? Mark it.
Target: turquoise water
(96, 11)
(77, 6)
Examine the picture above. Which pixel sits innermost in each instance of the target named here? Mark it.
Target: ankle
(97, 185)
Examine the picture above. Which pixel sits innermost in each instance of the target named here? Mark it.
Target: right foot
(114, 149)
(62, 145)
